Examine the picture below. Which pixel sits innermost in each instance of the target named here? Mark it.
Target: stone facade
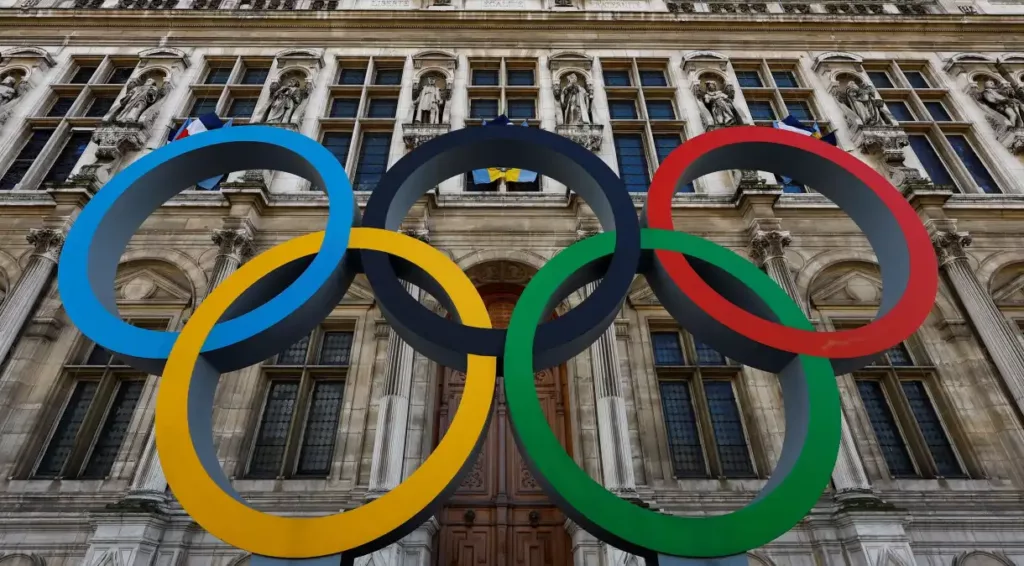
(931, 470)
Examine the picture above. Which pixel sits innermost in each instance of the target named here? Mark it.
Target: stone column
(235, 246)
(22, 299)
(994, 330)
(768, 250)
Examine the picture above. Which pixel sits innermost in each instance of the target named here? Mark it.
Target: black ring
(447, 342)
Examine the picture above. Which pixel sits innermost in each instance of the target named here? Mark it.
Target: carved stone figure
(285, 99)
(139, 97)
(575, 100)
(429, 103)
(1003, 100)
(718, 108)
(868, 108)
(11, 89)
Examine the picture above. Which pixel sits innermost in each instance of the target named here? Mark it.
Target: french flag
(192, 127)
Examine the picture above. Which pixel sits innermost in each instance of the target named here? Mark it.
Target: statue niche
(717, 102)
(1001, 102)
(574, 96)
(12, 87)
(431, 97)
(287, 96)
(140, 97)
(862, 105)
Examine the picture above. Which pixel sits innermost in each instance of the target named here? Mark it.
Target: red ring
(882, 333)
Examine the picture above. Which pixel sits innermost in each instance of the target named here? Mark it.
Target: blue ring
(100, 234)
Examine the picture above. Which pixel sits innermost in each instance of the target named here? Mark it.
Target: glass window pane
(98, 356)
(272, 438)
(21, 164)
(382, 108)
(974, 164)
(663, 146)
(652, 78)
(373, 160)
(321, 429)
(483, 109)
(338, 143)
(335, 349)
(749, 79)
(800, 110)
(667, 349)
(629, 148)
(352, 76)
(60, 107)
(708, 356)
(485, 77)
(761, 109)
(63, 440)
(82, 75)
(388, 77)
(218, 76)
(916, 79)
(880, 79)
(900, 111)
(294, 355)
(344, 107)
(728, 429)
(520, 77)
(681, 425)
(100, 106)
(927, 419)
(204, 105)
(120, 75)
(899, 355)
(115, 427)
(890, 441)
(622, 109)
(242, 107)
(617, 78)
(785, 79)
(521, 109)
(930, 160)
(660, 110)
(938, 111)
(255, 75)
(68, 157)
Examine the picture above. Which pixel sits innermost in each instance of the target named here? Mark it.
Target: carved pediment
(570, 60)
(698, 60)
(435, 58)
(854, 287)
(1010, 293)
(302, 57)
(359, 292)
(146, 284)
(166, 55)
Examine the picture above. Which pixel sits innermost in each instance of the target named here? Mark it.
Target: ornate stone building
(930, 92)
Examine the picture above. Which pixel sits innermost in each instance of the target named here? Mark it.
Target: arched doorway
(499, 515)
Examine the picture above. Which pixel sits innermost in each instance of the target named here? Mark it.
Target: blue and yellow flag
(492, 174)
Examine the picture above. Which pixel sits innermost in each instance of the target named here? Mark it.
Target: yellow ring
(237, 524)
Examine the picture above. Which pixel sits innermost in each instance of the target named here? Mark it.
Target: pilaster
(18, 305)
(125, 539)
(586, 550)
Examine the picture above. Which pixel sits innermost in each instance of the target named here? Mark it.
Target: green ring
(805, 466)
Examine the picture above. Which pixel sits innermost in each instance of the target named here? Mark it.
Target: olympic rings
(447, 342)
(184, 408)
(901, 243)
(100, 234)
(809, 450)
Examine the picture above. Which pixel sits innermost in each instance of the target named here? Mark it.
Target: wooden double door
(499, 516)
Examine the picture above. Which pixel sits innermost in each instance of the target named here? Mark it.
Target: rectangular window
(338, 143)
(800, 110)
(900, 111)
(681, 424)
(520, 77)
(485, 77)
(483, 109)
(218, 76)
(930, 160)
(617, 78)
(652, 78)
(938, 111)
(880, 79)
(660, 110)
(28, 154)
(887, 433)
(321, 425)
(204, 105)
(352, 76)
(61, 107)
(664, 144)
(335, 349)
(785, 79)
(82, 75)
(272, 440)
(521, 109)
(242, 107)
(667, 349)
(68, 157)
(114, 430)
(344, 107)
(973, 163)
(622, 109)
(120, 75)
(934, 434)
(382, 108)
(373, 160)
(629, 148)
(728, 429)
(389, 77)
(100, 106)
(61, 444)
(255, 75)
(916, 79)
(761, 110)
(749, 79)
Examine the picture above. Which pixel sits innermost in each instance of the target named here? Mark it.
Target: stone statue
(11, 89)
(285, 100)
(574, 99)
(718, 108)
(139, 96)
(429, 103)
(1002, 100)
(868, 108)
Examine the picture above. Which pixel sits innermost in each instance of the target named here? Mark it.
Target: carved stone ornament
(716, 100)
(13, 87)
(420, 233)
(574, 95)
(889, 142)
(138, 103)
(416, 135)
(861, 104)
(950, 245)
(47, 242)
(1004, 109)
(769, 244)
(237, 244)
(288, 96)
(589, 136)
(17, 65)
(431, 110)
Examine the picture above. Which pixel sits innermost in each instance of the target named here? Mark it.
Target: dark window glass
(800, 110)
(749, 79)
(483, 109)
(622, 109)
(255, 75)
(728, 429)
(898, 355)
(900, 111)
(761, 109)
(321, 428)
(938, 111)
(880, 79)
(373, 160)
(272, 438)
(120, 75)
(68, 157)
(890, 441)
(388, 77)
(25, 158)
(100, 106)
(681, 424)
(521, 109)
(931, 161)
(617, 78)
(660, 110)
(344, 107)
(294, 355)
(60, 107)
(218, 76)
(336, 349)
(667, 349)
(663, 145)
(973, 163)
(629, 148)
(98, 356)
(242, 107)
(338, 143)
(485, 77)
(785, 79)
(382, 108)
(114, 429)
(708, 356)
(520, 77)
(202, 106)
(927, 419)
(916, 79)
(63, 441)
(653, 78)
(352, 76)
(82, 75)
